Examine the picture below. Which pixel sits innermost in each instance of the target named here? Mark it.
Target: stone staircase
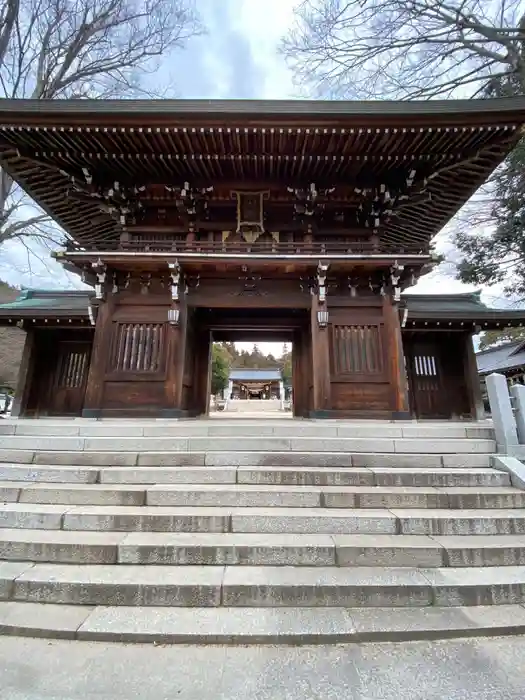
(257, 531)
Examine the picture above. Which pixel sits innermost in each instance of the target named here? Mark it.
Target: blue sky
(237, 58)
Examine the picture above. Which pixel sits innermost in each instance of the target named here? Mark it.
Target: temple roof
(430, 309)
(306, 108)
(47, 302)
(434, 154)
(501, 358)
(263, 375)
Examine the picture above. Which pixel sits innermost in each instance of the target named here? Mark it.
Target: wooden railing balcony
(314, 247)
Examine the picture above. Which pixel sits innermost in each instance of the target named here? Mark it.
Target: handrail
(321, 247)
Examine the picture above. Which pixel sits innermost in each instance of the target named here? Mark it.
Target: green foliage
(490, 339)
(251, 360)
(220, 368)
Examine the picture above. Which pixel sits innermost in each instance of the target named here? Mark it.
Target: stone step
(290, 476)
(276, 520)
(355, 476)
(292, 625)
(312, 444)
(319, 460)
(67, 547)
(236, 428)
(256, 586)
(263, 495)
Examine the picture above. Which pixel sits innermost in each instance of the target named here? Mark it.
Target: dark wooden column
(201, 384)
(396, 360)
(472, 380)
(175, 355)
(320, 363)
(97, 368)
(300, 373)
(25, 374)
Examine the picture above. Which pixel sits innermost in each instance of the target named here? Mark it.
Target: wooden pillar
(320, 362)
(396, 359)
(202, 371)
(299, 378)
(25, 375)
(472, 380)
(97, 368)
(408, 342)
(175, 337)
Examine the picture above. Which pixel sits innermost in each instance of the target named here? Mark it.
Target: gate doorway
(204, 326)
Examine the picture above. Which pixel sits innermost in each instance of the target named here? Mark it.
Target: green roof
(48, 302)
(456, 306)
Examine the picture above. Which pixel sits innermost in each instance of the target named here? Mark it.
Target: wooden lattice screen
(357, 350)
(137, 347)
(69, 379)
(72, 368)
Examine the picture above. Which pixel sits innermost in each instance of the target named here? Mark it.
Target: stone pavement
(484, 669)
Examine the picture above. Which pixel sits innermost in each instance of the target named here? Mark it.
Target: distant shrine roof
(92, 165)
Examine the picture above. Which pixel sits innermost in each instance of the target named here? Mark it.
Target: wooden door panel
(430, 397)
(68, 381)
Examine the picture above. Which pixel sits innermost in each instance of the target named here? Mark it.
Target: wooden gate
(69, 380)
(428, 391)
(436, 377)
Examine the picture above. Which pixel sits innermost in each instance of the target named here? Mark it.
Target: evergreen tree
(490, 339)
(220, 368)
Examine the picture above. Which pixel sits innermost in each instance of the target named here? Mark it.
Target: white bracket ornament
(322, 271)
(175, 280)
(100, 271)
(395, 276)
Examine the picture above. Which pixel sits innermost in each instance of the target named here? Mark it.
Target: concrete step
(250, 428)
(276, 520)
(260, 586)
(289, 476)
(67, 547)
(264, 496)
(319, 460)
(292, 625)
(313, 444)
(356, 476)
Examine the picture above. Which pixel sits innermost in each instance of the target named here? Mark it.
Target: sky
(237, 58)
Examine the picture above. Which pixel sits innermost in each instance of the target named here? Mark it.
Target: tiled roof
(308, 107)
(502, 357)
(262, 375)
(51, 302)
(466, 306)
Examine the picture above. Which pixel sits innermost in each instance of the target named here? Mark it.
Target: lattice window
(425, 366)
(72, 369)
(357, 349)
(137, 347)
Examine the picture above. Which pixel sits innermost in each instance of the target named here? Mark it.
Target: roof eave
(495, 111)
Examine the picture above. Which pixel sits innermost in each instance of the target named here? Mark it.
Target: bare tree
(406, 49)
(52, 49)
(427, 49)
